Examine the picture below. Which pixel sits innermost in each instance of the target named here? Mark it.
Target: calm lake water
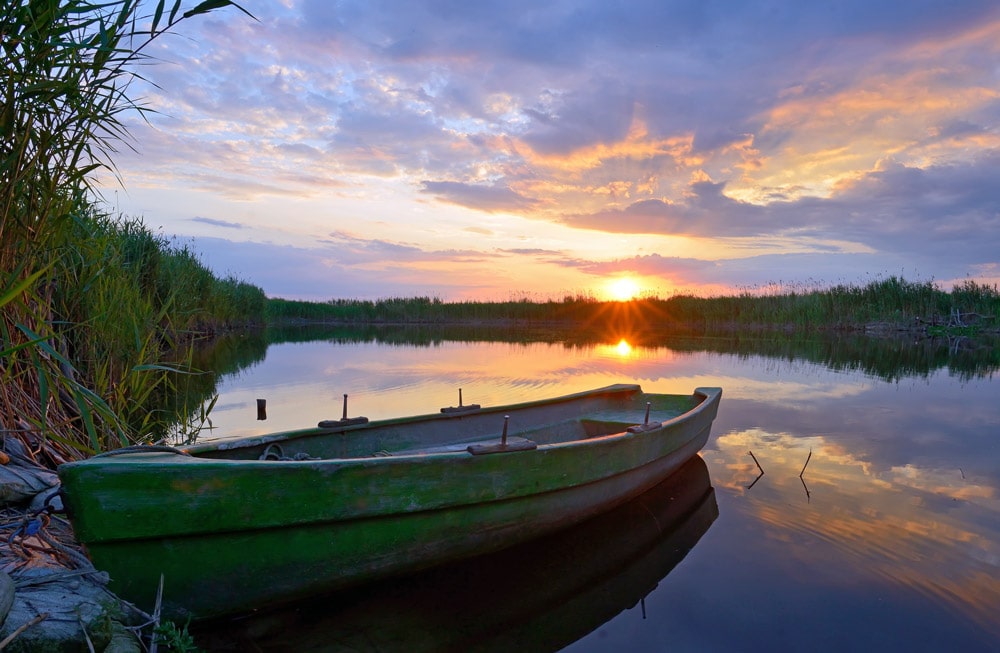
(888, 540)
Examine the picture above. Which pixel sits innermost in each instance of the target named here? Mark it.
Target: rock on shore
(52, 600)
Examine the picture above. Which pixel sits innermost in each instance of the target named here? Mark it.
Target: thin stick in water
(759, 476)
(807, 463)
(806, 488)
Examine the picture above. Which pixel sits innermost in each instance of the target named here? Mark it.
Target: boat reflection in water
(538, 596)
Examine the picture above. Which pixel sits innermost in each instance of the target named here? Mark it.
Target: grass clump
(175, 638)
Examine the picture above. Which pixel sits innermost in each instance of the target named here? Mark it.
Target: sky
(527, 150)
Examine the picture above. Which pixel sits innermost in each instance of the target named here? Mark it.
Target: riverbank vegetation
(883, 304)
(90, 303)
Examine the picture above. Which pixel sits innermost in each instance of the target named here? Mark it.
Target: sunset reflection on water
(304, 383)
(623, 349)
(891, 534)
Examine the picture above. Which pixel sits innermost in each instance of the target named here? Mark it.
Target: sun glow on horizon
(622, 289)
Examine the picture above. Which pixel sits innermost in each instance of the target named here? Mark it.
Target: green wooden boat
(241, 524)
(540, 595)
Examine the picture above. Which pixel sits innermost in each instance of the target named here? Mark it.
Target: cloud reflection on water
(929, 529)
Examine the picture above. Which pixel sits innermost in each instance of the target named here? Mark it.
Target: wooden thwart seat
(451, 410)
(642, 428)
(512, 444)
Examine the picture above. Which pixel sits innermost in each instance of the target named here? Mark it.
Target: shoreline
(883, 328)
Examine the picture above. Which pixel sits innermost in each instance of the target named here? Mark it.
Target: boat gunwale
(405, 420)
(190, 455)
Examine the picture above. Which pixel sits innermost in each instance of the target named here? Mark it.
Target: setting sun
(623, 289)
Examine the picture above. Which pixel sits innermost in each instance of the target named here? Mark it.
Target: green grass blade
(18, 288)
(43, 344)
(43, 392)
(164, 367)
(157, 15)
(87, 416)
(16, 348)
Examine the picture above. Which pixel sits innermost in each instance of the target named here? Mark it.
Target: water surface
(875, 523)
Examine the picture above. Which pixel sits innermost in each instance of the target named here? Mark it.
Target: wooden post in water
(262, 409)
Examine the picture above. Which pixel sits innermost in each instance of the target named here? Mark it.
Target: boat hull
(257, 533)
(541, 595)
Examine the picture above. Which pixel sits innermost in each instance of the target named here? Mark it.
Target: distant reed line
(890, 302)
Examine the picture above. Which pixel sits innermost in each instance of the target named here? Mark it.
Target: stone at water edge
(21, 478)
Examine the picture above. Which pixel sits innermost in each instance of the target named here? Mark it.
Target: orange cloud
(837, 135)
(636, 146)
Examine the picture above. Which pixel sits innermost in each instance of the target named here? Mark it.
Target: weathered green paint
(579, 578)
(231, 533)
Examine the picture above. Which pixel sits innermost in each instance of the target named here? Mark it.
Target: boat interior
(475, 430)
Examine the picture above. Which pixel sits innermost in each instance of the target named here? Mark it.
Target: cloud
(705, 211)
(940, 214)
(532, 252)
(218, 223)
(479, 231)
(344, 268)
(352, 250)
(484, 198)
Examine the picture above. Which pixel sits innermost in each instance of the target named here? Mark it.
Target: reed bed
(89, 303)
(88, 340)
(890, 302)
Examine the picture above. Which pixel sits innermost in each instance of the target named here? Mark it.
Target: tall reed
(66, 318)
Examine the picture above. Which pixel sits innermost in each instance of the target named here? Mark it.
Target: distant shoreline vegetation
(878, 307)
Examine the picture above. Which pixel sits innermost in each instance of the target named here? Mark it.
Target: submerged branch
(807, 464)
(759, 476)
